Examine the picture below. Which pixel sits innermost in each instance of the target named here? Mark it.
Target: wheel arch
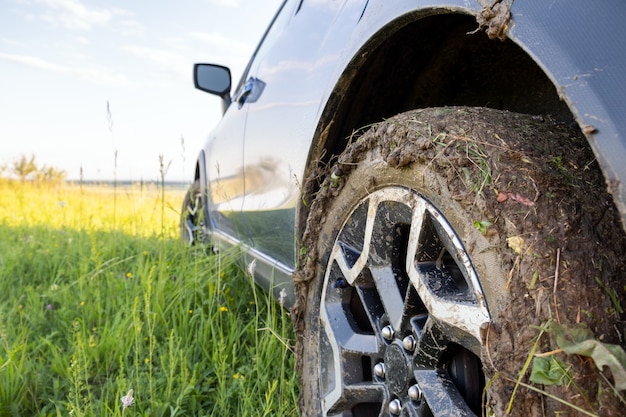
(201, 176)
(430, 59)
(200, 170)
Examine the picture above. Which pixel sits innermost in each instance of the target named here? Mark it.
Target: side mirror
(214, 79)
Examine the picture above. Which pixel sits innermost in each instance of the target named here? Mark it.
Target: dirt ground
(542, 199)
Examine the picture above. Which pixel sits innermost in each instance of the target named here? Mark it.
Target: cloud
(220, 41)
(73, 14)
(227, 3)
(159, 56)
(171, 62)
(129, 27)
(11, 42)
(96, 76)
(82, 40)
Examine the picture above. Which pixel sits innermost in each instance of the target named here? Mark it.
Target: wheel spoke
(360, 396)
(346, 256)
(352, 249)
(417, 220)
(344, 333)
(191, 229)
(441, 395)
(444, 278)
(389, 292)
(430, 344)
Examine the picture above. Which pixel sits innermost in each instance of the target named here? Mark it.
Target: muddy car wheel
(420, 250)
(192, 216)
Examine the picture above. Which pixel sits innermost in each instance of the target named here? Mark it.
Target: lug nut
(379, 370)
(415, 393)
(395, 407)
(409, 343)
(387, 332)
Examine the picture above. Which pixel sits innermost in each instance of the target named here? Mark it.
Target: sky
(63, 61)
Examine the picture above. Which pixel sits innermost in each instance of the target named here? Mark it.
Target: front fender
(579, 45)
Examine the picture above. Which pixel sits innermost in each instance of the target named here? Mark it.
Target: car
(438, 189)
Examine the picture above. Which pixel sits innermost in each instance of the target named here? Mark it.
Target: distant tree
(50, 174)
(25, 167)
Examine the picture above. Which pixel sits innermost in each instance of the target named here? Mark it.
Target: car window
(274, 29)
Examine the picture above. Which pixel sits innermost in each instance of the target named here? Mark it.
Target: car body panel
(285, 117)
(257, 157)
(225, 172)
(580, 45)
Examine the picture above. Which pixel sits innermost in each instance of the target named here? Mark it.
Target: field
(98, 297)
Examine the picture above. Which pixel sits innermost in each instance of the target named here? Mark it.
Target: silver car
(438, 187)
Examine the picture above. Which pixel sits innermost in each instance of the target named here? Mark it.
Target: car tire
(192, 216)
(429, 259)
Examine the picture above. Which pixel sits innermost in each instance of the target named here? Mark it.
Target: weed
(110, 122)
(518, 382)
(612, 294)
(439, 139)
(477, 156)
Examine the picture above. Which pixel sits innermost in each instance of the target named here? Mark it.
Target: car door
(229, 181)
(293, 68)
(224, 166)
(226, 182)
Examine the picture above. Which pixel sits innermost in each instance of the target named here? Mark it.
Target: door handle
(250, 92)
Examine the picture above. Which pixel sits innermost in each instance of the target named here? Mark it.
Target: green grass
(97, 297)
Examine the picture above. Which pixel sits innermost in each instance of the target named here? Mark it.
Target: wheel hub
(398, 369)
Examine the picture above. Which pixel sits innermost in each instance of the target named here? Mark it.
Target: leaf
(522, 199)
(482, 226)
(579, 340)
(516, 243)
(549, 371)
(502, 197)
(533, 281)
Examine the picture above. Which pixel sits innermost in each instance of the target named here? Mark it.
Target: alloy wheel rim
(194, 220)
(401, 311)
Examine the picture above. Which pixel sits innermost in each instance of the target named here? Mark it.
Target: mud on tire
(530, 208)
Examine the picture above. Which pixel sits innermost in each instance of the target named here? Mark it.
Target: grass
(98, 297)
